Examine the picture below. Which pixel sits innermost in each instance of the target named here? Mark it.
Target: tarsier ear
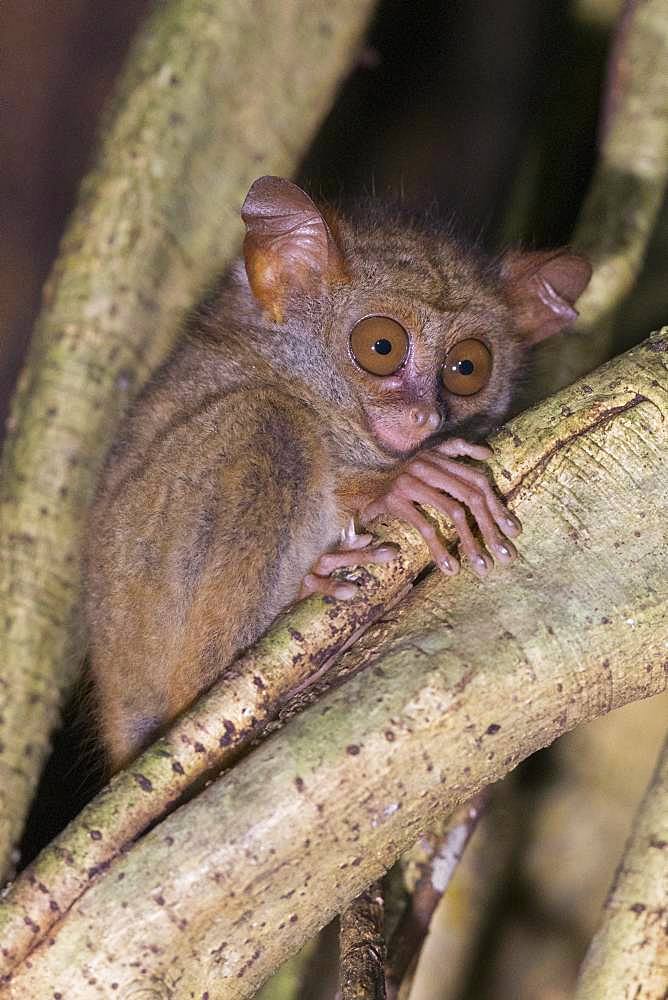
(288, 245)
(542, 287)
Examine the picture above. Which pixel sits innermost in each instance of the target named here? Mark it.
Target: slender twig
(362, 947)
(627, 190)
(443, 855)
(618, 69)
(624, 197)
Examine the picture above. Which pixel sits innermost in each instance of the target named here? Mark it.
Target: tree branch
(225, 888)
(362, 947)
(211, 735)
(628, 956)
(627, 190)
(618, 216)
(443, 854)
(451, 949)
(157, 217)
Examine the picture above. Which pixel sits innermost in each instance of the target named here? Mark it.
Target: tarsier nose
(426, 417)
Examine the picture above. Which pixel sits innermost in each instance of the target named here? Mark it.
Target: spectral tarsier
(339, 373)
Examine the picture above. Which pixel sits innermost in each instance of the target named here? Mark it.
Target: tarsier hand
(432, 478)
(355, 550)
(435, 478)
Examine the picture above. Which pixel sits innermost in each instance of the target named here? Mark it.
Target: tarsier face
(424, 368)
(384, 349)
(430, 340)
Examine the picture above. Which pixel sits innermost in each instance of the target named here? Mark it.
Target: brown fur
(251, 448)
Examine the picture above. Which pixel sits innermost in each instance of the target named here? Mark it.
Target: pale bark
(215, 94)
(452, 947)
(212, 733)
(226, 887)
(441, 854)
(628, 187)
(628, 958)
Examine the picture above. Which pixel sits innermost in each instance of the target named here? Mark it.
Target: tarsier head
(431, 338)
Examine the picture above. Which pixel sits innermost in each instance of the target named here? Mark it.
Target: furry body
(258, 440)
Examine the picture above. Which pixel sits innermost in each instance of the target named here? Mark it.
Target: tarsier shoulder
(345, 368)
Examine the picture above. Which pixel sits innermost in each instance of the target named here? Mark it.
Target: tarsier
(339, 372)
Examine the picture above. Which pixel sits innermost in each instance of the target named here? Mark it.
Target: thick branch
(215, 93)
(222, 890)
(629, 954)
(210, 736)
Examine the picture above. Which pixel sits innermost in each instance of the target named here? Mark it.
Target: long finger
(419, 491)
(468, 495)
(510, 525)
(314, 584)
(456, 447)
(330, 561)
(403, 508)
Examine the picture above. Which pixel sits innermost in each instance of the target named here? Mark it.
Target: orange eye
(467, 368)
(379, 344)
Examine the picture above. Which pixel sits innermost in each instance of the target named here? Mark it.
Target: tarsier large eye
(467, 367)
(379, 344)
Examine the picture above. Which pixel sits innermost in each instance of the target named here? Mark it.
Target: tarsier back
(342, 370)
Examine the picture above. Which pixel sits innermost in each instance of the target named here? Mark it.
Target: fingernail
(480, 566)
(446, 566)
(345, 592)
(512, 524)
(504, 552)
(387, 552)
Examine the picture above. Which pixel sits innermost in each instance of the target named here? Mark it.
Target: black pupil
(382, 346)
(465, 367)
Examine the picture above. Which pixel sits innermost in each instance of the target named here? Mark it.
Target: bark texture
(224, 721)
(628, 958)
(216, 92)
(362, 946)
(464, 681)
